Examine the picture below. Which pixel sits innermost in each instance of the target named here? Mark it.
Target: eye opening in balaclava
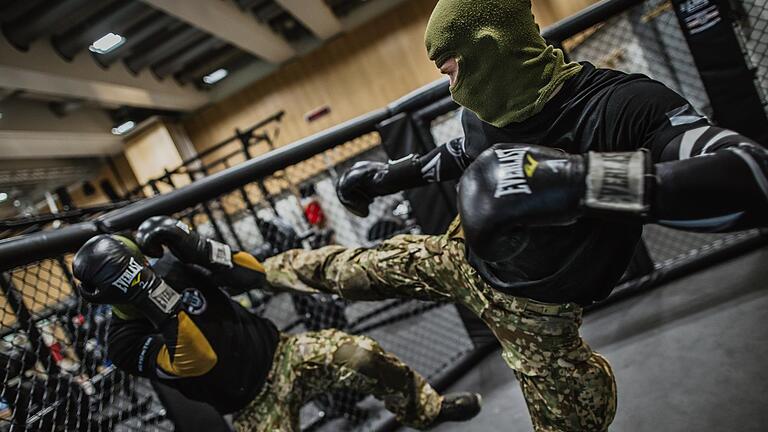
(507, 72)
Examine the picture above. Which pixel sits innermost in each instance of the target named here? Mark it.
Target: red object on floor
(314, 213)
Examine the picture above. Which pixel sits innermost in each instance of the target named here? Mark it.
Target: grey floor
(689, 356)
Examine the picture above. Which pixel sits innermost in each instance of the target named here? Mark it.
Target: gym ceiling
(77, 75)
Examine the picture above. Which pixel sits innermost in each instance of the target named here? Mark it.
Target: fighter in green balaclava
(500, 67)
(560, 164)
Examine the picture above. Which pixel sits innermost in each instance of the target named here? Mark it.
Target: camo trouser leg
(567, 386)
(309, 364)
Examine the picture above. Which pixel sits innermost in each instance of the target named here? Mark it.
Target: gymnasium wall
(357, 72)
(127, 179)
(354, 73)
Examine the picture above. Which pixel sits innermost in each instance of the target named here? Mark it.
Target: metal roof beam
(177, 62)
(135, 35)
(30, 130)
(33, 25)
(45, 72)
(315, 15)
(225, 21)
(12, 10)
(208, 64)
(173, 43)
(112, 19)
(244, 77)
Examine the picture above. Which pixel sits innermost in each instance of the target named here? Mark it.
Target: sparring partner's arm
(176, 350)
(149, 334)
(237, 270)
(367, 180)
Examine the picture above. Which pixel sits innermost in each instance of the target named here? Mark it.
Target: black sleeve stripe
(684, 143)
(757, 172)
(725, 137)
(703, 140)
(714, 224)
(457, 150)
(431, 171)
(709, 134)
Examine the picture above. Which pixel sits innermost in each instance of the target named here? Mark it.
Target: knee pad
(365, 356)
(350, 278)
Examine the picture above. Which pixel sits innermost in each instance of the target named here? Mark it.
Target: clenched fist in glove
(514, 186)
(367, 180)
(112, 270)
(184, 244)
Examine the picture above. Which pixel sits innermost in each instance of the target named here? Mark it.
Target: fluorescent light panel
(215, 76)
(123, 128)
(108, 42)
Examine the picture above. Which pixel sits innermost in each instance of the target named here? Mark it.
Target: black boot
(458, 407)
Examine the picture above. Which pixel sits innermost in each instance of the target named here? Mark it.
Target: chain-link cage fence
(57, 373)
(753, 28)
(647, 39)
(303, 211)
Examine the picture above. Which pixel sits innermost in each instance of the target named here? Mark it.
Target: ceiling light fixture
(123, 128)
(3, 196)
(215, 76)
(107, 43)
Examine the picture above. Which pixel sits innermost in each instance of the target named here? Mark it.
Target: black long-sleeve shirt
(609, 111)
(214, 351)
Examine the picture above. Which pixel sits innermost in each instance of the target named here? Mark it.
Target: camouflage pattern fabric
(309, 364)
(566, 385)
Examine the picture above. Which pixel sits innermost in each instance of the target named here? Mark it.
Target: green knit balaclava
(507, 72)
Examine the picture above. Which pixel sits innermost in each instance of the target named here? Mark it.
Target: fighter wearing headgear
(551, 219)
(172, 322)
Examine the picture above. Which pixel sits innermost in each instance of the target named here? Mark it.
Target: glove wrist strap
(618, 182)
(160, 303)
(219, 253)
(400, 174)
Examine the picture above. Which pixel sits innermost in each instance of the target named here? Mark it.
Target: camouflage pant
(309, 364)
(567, 386)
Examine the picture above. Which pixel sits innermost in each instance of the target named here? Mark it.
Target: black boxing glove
(112, 271)
(184, 244)
(513, 186)
(367, 180)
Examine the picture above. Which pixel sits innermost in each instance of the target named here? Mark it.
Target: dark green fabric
(132, 246)
(507, 72)
(127, 312)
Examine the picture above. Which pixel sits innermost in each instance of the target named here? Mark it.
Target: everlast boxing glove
(184, 244)
(367, 180)
(112, 271)
(512, 186)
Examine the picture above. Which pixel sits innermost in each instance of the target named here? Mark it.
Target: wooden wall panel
(105, 173)
(357, 72)
(150, 152)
